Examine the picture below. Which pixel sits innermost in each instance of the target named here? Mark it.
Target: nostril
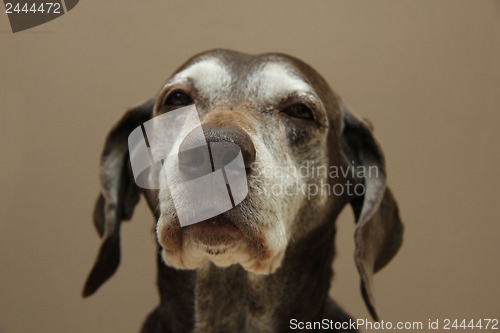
(249, 153)
(192, 158)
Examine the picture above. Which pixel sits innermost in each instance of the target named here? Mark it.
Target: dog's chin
(222, 242)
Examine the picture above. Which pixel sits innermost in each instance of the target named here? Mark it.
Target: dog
(266, 263)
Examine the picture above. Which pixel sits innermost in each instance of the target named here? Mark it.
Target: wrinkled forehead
(249, 79)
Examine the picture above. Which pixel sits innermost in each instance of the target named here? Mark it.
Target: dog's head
(305, 156)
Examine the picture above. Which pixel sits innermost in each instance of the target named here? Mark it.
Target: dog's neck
(214, 299)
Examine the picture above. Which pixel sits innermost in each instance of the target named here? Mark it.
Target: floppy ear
(118, 196)
(379, 231)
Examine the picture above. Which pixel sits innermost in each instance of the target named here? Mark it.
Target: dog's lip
(215, 231)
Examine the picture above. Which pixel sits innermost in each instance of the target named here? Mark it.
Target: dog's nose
(224, 145)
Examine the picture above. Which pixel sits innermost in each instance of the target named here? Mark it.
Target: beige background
(427, 73)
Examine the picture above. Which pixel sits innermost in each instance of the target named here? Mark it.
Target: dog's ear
(379, 230)
(118, 197)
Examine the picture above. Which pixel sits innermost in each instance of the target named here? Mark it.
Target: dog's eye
(299, 111)
(178, 98)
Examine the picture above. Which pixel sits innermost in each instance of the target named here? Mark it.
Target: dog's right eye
(300, 111)
(178, 98)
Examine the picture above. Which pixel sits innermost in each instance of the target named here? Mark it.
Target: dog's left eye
(178, 98)
(300, 111)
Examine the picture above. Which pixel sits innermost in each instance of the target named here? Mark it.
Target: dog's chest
(226, 301)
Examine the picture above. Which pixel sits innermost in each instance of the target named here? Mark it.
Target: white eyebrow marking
(210, 76)
(275, 80)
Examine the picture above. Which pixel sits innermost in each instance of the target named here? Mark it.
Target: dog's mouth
(215, 231)
(225, 239)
